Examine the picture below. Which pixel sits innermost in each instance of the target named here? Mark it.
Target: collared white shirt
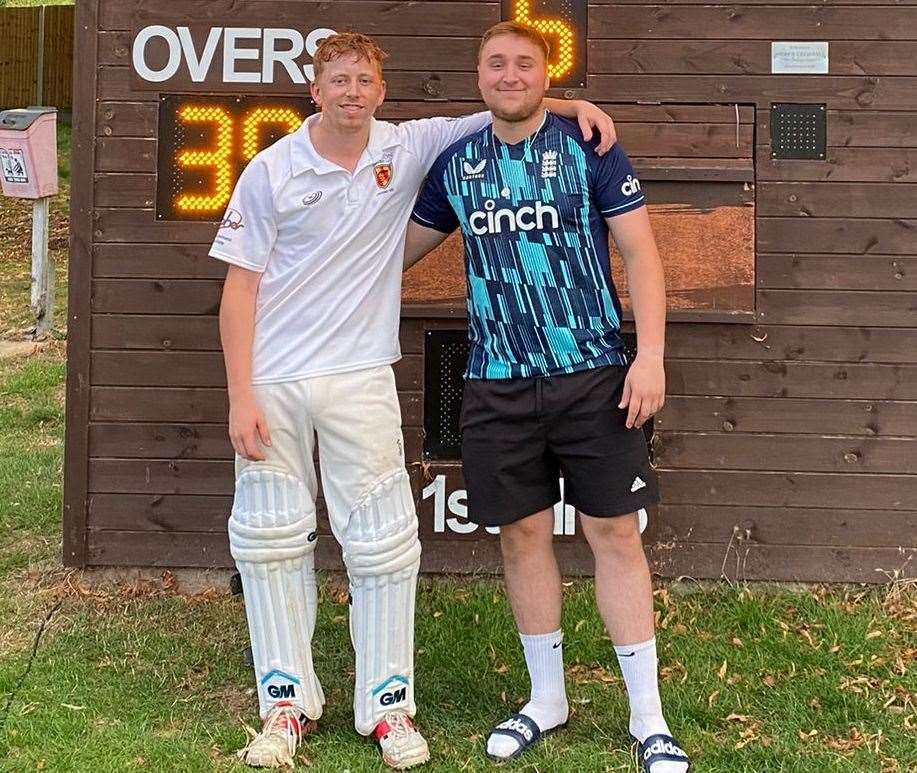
(329, 245)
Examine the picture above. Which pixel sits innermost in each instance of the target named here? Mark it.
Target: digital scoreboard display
(206, 141)
(564, 24)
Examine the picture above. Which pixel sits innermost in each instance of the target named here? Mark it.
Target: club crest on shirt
(383, 173)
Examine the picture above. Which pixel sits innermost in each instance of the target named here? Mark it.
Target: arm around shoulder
(419, 241)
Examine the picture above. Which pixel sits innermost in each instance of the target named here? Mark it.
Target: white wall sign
(799, 58)
(214, 57)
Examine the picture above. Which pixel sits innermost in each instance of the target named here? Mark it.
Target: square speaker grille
(445, 359)
(798, 131)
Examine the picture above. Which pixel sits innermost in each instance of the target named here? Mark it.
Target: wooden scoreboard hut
(777, 144)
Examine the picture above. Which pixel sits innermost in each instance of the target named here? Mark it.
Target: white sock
(639, 667)
(547, 706)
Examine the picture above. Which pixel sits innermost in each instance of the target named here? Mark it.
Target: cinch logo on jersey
(393, 690)
(497, 221)
(283, 685)
(630, 186)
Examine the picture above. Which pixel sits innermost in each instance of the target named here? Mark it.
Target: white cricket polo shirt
(329, 245)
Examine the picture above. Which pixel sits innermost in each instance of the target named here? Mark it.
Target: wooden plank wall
(786, 447)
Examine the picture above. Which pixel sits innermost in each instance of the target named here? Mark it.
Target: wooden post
(42, 268)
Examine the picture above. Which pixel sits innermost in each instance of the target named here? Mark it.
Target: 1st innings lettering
(455, 503)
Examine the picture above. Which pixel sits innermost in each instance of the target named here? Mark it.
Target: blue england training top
(541, 301)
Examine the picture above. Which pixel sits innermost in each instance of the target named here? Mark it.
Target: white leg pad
(272, 539)
(382, 554)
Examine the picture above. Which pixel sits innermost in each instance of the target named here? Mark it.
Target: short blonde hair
(520, 30)
(354, 43)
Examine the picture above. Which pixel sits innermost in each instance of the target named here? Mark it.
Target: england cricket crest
(383, 174)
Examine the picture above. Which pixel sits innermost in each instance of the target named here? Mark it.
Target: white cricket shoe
(275, 746)
(402, 744)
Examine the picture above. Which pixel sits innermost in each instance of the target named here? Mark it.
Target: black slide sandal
(522, 729)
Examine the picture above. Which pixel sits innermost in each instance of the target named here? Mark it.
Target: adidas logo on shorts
(638, 484)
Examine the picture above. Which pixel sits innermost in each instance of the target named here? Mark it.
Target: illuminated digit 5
(285, 116)
(565, 46)
(219, 157)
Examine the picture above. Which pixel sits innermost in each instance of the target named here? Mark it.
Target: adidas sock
(639, 667)
(547, 706)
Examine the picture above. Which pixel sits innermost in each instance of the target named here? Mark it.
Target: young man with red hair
(309, 324)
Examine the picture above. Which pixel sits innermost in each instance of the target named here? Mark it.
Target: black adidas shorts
(520, 435)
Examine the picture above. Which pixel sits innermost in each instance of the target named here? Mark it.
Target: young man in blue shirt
(549, 387)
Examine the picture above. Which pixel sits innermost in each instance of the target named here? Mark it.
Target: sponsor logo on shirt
(549, 164)
(311, 198)
(491, 220)
(232, 220)
(384, 173)
(473, 171)
(630, 186)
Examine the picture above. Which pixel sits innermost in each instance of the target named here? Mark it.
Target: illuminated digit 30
(287, 117)
(560, 34)
(218, 157)
(206, 141)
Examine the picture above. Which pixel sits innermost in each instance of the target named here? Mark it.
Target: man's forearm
(563, 107)
(419, 241)
(237, 334)
(646, 286)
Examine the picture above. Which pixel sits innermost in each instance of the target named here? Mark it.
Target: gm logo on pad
(392, 691)
(282, 684)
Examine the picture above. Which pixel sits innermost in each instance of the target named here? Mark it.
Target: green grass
(126, 681)
(31, 434)
(63, 150)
